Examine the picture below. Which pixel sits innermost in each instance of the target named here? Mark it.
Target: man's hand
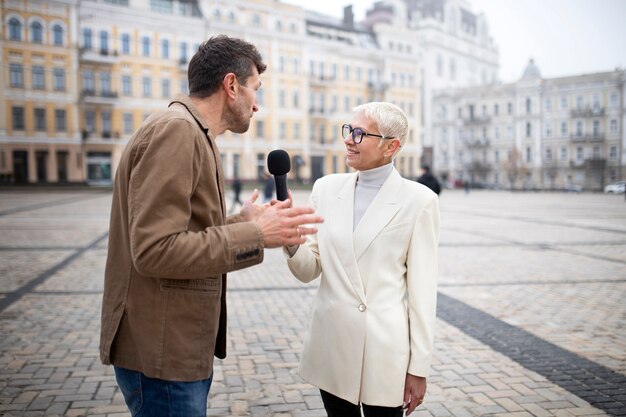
(283, 225)
(414, 391)
(249, 211)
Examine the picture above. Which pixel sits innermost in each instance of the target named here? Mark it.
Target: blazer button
(361, 307)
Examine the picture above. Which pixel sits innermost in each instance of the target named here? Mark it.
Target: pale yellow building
(124, 59)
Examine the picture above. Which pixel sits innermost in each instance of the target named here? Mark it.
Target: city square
(530, 311)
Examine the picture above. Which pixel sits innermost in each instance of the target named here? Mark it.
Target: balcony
(588, 112)
(322, 80)
(103, 56)
(98, 97)
(477, 143)
(589, 138)
(476, 121)
(479, 167)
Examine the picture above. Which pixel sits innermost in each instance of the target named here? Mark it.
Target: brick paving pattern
(514, 268)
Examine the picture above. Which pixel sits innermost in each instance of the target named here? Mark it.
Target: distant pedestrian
(429, 180)
(236, 194)
(466, 186)
(268, 188)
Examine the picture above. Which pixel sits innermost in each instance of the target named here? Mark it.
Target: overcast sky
(565, 37)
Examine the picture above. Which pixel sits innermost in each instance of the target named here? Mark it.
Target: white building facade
(557, 133)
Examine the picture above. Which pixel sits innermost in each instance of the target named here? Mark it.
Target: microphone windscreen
(278, 162)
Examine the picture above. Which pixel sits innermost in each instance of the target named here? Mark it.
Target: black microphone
(279, 164)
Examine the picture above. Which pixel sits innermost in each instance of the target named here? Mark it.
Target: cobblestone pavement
(531, 312)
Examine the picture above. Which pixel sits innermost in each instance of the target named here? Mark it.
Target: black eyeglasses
(357, 134)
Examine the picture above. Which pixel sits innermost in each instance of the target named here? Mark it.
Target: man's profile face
(246, 103)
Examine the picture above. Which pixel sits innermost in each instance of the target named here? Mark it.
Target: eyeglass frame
(363, 133)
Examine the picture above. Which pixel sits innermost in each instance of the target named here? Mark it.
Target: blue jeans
(150, 397)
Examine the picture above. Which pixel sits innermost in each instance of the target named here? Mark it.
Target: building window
(579, 128)
(39, 81)
(40, 120)
(184, 87)
(104, 42)
(162, 6)
(125, 43)
(548, 104)
(563, 153)
(528, 106)
(87, 42)
(106, 124)
(613, 99)
(563, 129)
(296, 130)
(128, 123)
(57, 35)
(183, 52)
(89, 86)
(105, 84)
(529, 154)
(563, 103)
(509, 108)
(260, 97)
(548, 130)
(165, 88)
(596, 128)
(90, 121)
(496, 109)
(17, 75)
(282, 130)
(281, 98)
(346, 103)
(548, 154)
(296, 99)
(15, 29)
(613, 153)
(613, 126)
(260, 128)
(596, 102)
(59, 120)
(529, 129)
(127, 86)
(346, 73)
(17, 114)
(165, 48)
(145, 45)
(256, 20)
(439, 66)
(452, 69)
(579, 154)
(580, 102)
(36, 32)
(596, 152)
(147, 86)
(58, 79)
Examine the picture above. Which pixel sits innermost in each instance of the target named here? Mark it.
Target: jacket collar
(186, 101)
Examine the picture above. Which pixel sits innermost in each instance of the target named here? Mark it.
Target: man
(171, 244)
(429, 180)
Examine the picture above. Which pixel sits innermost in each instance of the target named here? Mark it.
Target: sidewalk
(531, 312)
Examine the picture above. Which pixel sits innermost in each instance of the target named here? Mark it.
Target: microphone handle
(281, 187)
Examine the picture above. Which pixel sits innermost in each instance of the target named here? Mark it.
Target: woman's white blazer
(374, 313)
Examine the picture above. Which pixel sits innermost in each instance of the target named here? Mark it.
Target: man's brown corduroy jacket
(170, 246)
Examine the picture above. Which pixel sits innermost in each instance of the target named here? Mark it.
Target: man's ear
(229, 83)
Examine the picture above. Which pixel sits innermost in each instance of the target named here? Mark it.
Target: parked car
(572, 188)
(616, 188)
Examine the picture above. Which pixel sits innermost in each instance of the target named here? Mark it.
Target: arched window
(57, 35)
(36, 32)
(528, 106)
(217, 15)
(15, 29)
(529, 130)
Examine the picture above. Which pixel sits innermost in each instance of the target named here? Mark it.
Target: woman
(371, 332)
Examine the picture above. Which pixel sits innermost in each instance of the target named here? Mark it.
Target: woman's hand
(414, 391)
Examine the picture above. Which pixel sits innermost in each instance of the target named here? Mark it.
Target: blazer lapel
(380, 211)
(341, 223)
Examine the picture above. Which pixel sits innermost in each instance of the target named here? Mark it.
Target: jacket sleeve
(165, 169)
(305, 264)
(422, 269)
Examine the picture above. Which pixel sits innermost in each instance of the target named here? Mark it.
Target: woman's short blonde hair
(391, 120)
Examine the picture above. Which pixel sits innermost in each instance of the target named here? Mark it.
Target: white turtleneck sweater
(368, 184)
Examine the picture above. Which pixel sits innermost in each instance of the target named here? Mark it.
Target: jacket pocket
(209, 285)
